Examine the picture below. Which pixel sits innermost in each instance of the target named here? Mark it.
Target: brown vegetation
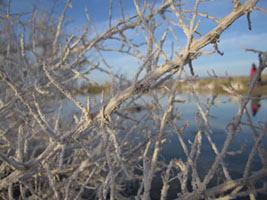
(214, 85)
(91, 89)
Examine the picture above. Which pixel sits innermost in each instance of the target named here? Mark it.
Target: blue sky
(235, 61)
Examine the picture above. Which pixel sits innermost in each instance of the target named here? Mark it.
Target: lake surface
(224, 110)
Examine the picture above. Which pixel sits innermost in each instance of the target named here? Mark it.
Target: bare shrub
(105, 148)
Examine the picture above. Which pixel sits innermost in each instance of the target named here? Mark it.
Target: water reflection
(255, 105)
(221, 113)
(139, 108)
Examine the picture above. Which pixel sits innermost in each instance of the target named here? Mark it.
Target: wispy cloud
(237, 40)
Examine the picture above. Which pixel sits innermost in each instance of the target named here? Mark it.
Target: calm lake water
(224, 110)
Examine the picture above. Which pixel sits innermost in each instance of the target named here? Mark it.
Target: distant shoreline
(204, 85)
(212, 85)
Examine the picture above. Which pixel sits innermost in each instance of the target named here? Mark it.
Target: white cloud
(235, 61)
(237, 40)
